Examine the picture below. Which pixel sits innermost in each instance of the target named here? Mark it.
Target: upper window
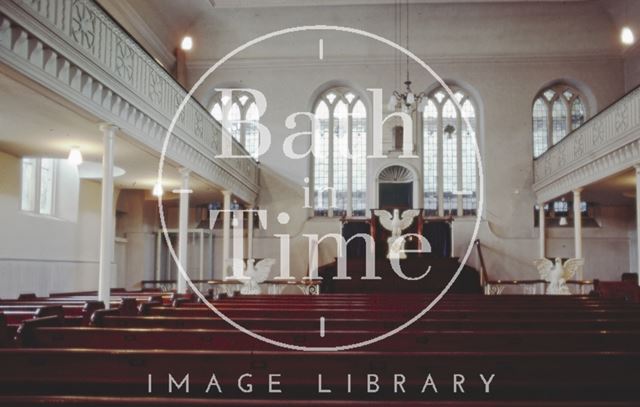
(557, 111)
(243, 117)
(38, 177)
(340, 156)
(449, 157)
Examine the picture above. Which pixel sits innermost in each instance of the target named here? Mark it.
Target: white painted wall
(632, 68)
(503, 54)
(44, 255)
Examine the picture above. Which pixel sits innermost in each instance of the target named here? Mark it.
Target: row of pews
(159, 349)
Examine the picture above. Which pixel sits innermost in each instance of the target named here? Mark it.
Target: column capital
(108, 127)
(577, 191)
(226, 193)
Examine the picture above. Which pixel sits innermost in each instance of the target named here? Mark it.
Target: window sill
(42, 216)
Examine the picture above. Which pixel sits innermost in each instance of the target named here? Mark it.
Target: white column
(541, 224)
(237, 230)
(577, 229)
(226, 230)
(250, 235)
(183, 229)
(577, 224)
(201, 236)
(106, 215)
(158, 254)
(637, 167)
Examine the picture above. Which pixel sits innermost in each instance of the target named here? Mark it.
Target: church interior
(319, 203)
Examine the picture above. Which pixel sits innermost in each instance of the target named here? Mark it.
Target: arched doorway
(396, 185)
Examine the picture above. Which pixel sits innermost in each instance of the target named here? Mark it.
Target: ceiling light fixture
(626, 36)
(75, 156)
(187, 43)
(157, 190)
(407, 100)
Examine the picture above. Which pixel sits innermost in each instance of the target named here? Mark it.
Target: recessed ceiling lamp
(626, 36)
(75, 156)
(157, 190)
(187, 43)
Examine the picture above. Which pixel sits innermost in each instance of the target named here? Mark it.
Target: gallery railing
(77, 51)
(606, 144)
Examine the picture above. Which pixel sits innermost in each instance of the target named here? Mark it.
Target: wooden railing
(536, 286)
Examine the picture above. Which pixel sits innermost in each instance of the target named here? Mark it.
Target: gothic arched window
(243, 117)
(340, 159)
(557, 111)
(449, 157)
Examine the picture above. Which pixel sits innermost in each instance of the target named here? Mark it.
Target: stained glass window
(468, 161)
(321, 159)
(577, 113)
(430, 154)
(557, 111)
(449, 154)
(340, 159)
(559, 117)
(540, 127)
(243, 118)
(341, 153)
(359, 163)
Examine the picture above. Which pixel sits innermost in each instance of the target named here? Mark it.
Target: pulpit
(436, 230)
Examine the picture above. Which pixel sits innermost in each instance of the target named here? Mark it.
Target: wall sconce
(75, 156)
(157, 190)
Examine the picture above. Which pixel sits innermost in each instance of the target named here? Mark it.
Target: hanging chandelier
(407, 100)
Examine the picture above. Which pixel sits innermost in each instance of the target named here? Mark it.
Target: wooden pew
(5, 333)
(626, 290)
(574, 348)
(268, 306)
(49, 334)
(26, 333)
(367, 324)
(545, 301)
(336, 313)
(16, 314)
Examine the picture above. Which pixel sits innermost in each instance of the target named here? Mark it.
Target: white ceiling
(216, 24)
(35, 125)
(616, 190)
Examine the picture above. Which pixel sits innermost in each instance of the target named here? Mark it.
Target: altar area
(439, 259)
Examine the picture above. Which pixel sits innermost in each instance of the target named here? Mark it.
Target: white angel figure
(557, 274)
(256, 274)
(396, 224)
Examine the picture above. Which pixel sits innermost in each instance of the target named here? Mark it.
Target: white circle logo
(478, 211)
